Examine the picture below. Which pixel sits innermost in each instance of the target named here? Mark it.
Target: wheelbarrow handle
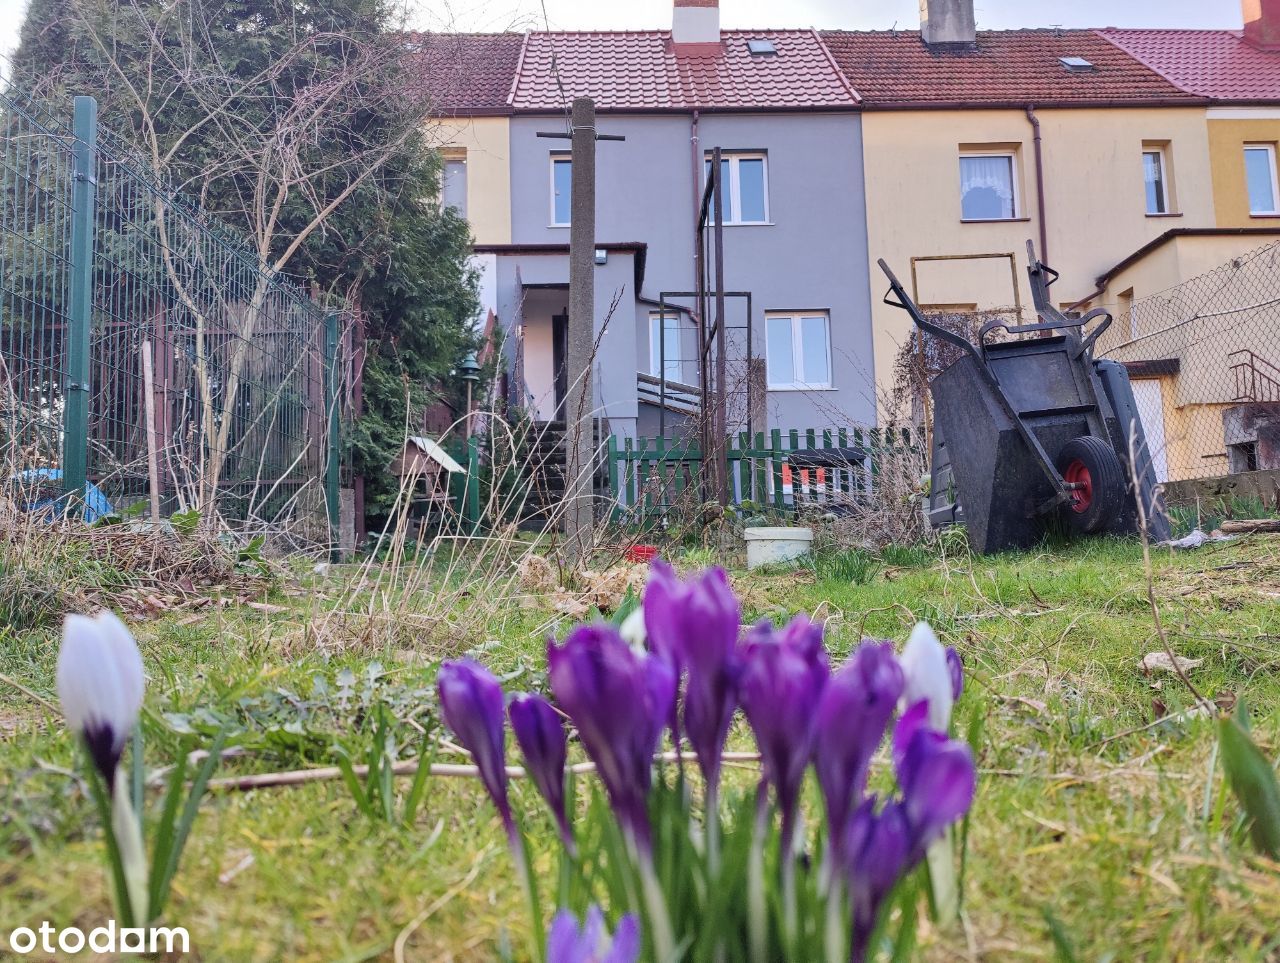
(897, 297)
(995, 323)
(1086, 346)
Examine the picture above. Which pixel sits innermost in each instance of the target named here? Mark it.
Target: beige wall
(487, 143)
(1094, 193)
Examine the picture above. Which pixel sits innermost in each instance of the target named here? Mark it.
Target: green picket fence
(647, 476)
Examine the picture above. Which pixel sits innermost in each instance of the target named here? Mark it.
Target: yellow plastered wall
(487, 143)
(1094, 193)
(1229, 130)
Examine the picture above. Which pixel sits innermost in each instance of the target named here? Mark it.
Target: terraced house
(787, 123)
(1133, 160)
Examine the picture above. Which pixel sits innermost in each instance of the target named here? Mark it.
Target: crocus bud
(784, 673)
(956, 668)
(695, 623)
(878, 848)
(471, 700)
(620, 701)
(695, 620)
(936, 774)
(853, 715)
(100, 685)
(566, 943)
(540, 733)
(928, 678)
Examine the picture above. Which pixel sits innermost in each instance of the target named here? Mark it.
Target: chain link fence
(146, 356)
(1204, 361)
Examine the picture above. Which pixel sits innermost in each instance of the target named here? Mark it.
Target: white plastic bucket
(767, 546)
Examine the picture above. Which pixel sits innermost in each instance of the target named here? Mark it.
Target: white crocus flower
(100, 685)
(632, 629)
(924, 667)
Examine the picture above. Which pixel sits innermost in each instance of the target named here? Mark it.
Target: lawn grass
(1090, 823)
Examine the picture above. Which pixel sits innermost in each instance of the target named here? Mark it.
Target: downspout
(695, 148)
(1039, 152)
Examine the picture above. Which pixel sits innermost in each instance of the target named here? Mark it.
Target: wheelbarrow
(1032, 428)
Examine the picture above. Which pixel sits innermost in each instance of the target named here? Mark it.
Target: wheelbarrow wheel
(1091, 465)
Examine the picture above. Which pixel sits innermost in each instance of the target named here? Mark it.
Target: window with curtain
(798, 351)
(1260, 174)
(673, 368)
(987, 187)
(1153, 172)
(561, 190)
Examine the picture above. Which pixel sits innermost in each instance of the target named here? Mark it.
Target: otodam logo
(108, 938)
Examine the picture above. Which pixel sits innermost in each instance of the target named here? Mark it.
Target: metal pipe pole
(75, 424)
(579, 436)
(721, 415)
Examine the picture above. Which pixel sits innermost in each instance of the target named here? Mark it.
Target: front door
(560, 359)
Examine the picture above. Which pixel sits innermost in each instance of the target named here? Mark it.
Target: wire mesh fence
(146, 355)
(1204, 361)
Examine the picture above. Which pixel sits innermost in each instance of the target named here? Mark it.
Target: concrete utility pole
(580, 400)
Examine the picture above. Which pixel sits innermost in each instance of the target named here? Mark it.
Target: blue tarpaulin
(36, 496)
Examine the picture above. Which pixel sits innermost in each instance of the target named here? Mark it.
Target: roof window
(1077, 65)
(761, 48)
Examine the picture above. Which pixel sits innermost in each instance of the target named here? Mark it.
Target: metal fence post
(75, 417)
(333, 459)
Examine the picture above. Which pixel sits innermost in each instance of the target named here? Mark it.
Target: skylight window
(1076, 65)
(761, 48)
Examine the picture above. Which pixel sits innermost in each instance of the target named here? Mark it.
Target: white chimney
(696, 21)
(947, 22)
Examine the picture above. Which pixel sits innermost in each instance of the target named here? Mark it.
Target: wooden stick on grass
(407, 767)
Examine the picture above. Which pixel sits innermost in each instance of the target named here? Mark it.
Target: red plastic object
(642, 553)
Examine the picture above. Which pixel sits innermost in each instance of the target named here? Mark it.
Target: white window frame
(1275, 181)
(733, 189)
(1166, 195)
(1014, 175)
(558, 158)
(797, 349)
(656, 363)
(455, 157)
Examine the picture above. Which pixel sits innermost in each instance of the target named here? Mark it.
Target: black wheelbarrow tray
(1033, 428)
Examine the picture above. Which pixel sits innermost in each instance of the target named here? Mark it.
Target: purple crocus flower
(540, 733)
(936, 774)
(878, 854)
(620, 700)
(567, 943)
(695, 624)
(853, 714)
(471, 700)
(956, 668)
(784, 673)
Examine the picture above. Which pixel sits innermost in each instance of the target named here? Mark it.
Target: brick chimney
(1262, 23)
(951, 23)
(696, 22)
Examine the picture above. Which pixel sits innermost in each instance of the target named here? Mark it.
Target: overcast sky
(849, 14)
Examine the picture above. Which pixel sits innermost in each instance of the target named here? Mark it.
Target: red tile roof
(467, 73)
(1212, 63)
(1004, 68)
(642, 71)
